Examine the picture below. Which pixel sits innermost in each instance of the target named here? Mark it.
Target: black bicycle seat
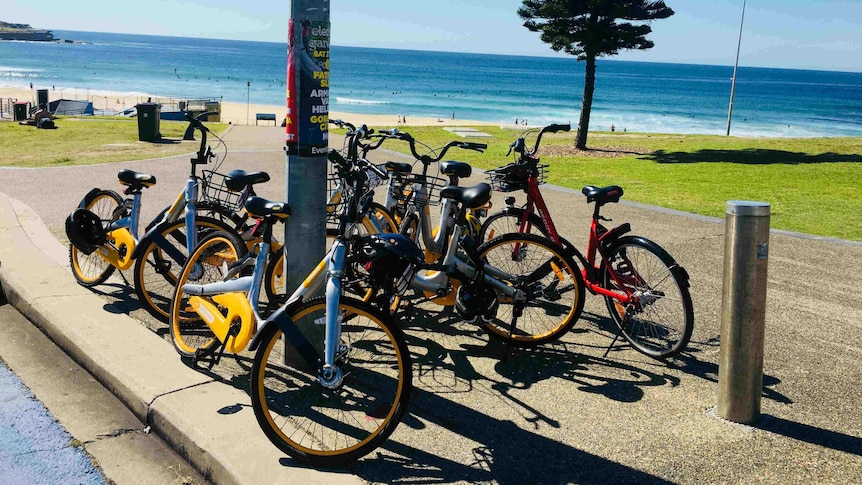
(260, 207)
(472, 197)
(131, 178)
(602, 195)
(236, 180)
(399, 167)
(458, 169)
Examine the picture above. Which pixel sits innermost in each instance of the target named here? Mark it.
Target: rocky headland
(24, 32)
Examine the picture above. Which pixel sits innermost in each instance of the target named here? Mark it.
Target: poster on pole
(307, 128)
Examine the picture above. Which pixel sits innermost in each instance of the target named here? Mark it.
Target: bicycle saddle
(602, 195)
(472, 197)
(260, 207)
(458, 169)
(236, 180)
(130, 177)
(399, 167)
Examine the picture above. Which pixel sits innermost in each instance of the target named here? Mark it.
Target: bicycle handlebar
(341, 124)
(427, 159)
(204, 154)
(520, 147)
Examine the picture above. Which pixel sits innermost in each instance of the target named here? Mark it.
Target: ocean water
(635, 96)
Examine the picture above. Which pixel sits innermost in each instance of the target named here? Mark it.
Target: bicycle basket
(214, 190)
(336, 197)
(411, 187)
(514, 176)
(338, 194)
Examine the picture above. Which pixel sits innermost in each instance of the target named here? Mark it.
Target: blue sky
(813, 34)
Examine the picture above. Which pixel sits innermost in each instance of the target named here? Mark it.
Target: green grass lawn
(814, 186)
(87, 140)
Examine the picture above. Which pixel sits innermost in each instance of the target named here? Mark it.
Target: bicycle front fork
(331, 375)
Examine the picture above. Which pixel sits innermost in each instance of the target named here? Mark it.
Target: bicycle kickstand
(621, 326)
(213, 355)
(517, 311)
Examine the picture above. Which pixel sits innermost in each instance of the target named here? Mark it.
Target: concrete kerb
(185, 407)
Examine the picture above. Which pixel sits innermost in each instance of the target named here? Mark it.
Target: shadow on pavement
(811, 434)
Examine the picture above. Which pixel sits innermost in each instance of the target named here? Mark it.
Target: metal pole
(247, 96)
(743, 311)
(735, 66)
(307, 138)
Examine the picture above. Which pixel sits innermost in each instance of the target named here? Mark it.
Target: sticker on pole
(308, 89)
(762, 250)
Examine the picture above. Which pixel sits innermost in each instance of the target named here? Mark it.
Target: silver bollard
(743, 311)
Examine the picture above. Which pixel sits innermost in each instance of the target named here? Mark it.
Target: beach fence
(124, 105)
(6, 107)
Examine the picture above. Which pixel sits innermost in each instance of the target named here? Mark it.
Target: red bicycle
(645, 289)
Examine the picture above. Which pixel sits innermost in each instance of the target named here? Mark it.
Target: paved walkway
(562, 413)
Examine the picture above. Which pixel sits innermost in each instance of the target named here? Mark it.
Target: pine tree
(589, 29)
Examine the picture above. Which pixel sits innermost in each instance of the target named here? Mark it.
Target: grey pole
(735, 66)
(743, 311)
(307, 138)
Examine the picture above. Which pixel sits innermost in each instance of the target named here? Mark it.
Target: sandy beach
(231, 112)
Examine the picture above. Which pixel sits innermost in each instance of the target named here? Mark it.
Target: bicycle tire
(156, 273)
(660, 325)
(300, 416)
(552, 280)
(91, 269)
(207, 264)
(508, 221)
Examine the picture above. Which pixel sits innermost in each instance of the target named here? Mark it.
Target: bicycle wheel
(157, 270)
(208, 263)
(382, 219)
(551, 280)
(92, 269)
(508, 221)
(322, 426)
(660, 321)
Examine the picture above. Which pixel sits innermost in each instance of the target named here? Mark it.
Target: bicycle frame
(598, 234)
(438, 279)
(252, 326)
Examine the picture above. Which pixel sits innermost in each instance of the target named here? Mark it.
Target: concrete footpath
(562, 413)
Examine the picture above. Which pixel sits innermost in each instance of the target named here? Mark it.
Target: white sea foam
(341, 100)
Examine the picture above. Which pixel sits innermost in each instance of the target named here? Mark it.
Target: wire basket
(336, 197)
(408, 192)
(512, 177)
(215, 190)
(337, 193)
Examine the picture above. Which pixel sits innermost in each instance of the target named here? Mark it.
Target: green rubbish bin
(21, 111)
(213, 107)
(148, 121)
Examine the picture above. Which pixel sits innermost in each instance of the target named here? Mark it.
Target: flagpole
(735, 66)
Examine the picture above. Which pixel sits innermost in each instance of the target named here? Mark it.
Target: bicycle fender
(296, 339)
(156, 220)
(614, 234)
(88, 198)
(163, 244)
(675, 267)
